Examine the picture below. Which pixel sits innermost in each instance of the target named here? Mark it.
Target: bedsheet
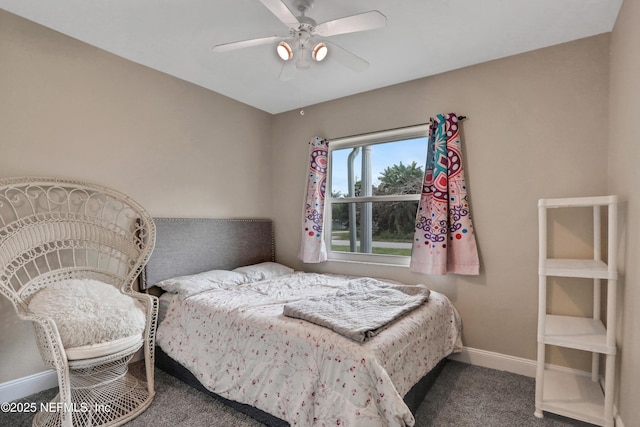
(238, 343)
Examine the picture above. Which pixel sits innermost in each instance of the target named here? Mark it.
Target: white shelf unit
(569, 394)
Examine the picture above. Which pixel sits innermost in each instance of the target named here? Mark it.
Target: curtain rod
(462, 117)
(388, 130)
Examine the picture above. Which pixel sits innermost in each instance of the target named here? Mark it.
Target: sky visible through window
(383, 155)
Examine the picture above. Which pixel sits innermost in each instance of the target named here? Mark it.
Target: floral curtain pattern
(312, 246)
(444, 239)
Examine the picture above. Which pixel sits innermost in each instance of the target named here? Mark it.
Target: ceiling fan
(306, 38)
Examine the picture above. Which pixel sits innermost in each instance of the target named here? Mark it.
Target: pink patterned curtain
(444, 239)
(312, 247)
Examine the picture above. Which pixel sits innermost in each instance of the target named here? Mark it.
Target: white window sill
(369, 259)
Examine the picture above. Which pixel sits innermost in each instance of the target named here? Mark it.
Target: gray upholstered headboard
(193, 245)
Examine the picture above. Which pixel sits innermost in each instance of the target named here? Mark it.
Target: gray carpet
(462, 396)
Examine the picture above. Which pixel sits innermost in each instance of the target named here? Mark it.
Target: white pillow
(208, 280)
(264, 271)
(88, 311)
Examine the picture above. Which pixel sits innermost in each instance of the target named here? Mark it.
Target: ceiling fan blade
(226, 47)
(288, 71)
(345, 57)
(351, 24)
(282, 12)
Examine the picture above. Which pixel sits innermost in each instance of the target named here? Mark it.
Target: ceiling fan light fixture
(319, 52)
(284, 51)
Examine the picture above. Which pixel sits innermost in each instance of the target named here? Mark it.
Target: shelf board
(573, 396)
(576, 332)
(583, 268)
(578, 202)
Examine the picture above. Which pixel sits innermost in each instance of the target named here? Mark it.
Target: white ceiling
(422, 38)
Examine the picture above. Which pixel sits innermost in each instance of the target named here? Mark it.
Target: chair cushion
(102, 349)
(88, 312)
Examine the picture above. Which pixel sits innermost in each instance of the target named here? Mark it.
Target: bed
(233, 341)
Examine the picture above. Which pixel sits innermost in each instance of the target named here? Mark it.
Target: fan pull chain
(302, 96)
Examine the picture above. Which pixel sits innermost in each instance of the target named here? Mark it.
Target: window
(374, 187)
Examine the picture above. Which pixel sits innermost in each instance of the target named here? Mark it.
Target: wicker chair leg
(102, 393)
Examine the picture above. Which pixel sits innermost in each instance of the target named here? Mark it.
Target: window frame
(373, 138)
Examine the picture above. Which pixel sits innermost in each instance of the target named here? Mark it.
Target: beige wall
(70, 110)
(624, 177)
(537, 128)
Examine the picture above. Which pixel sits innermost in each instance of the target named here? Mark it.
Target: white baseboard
(21, 387)
(498, 361)
(504, 362)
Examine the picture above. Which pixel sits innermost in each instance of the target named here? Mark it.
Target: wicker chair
(53, 231)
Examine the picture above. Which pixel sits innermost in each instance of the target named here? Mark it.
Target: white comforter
(238, 344)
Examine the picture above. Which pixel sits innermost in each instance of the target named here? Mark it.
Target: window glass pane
(395, 168)
(381, 229)
(391, 227)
